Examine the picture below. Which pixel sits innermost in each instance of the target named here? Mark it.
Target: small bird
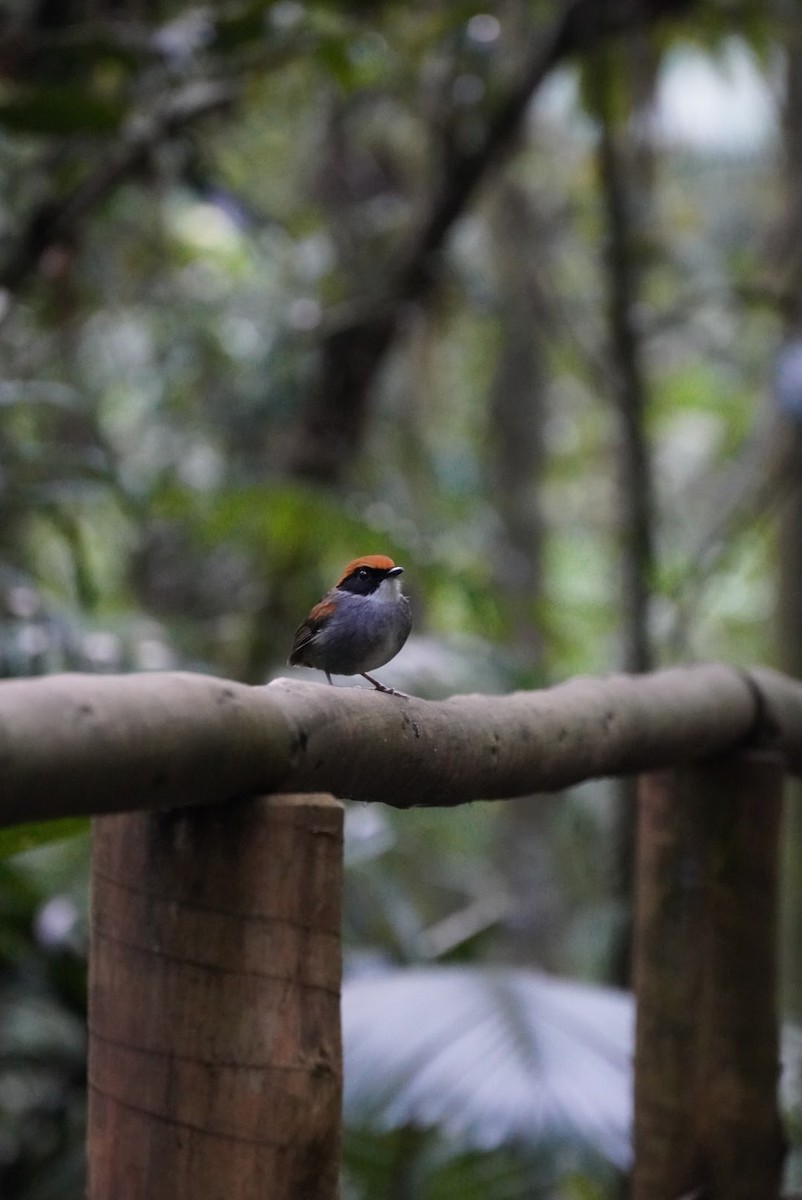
(359, 625)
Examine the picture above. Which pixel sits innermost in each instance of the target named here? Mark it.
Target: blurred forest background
(512, 294)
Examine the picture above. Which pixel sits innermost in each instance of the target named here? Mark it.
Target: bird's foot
(380, 687)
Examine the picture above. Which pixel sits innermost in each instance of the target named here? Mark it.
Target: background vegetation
(510, 294)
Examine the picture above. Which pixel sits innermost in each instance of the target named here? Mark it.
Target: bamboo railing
(214, 1040)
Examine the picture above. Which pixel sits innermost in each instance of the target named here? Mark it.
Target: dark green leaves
(60, 110)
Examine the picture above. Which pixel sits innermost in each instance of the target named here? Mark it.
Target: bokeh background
(513, 294)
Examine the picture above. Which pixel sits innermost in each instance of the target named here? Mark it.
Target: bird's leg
(388, 691)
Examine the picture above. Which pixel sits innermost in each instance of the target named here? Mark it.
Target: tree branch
(581, 25)
(334, 420)
(60, 219)
(72, 744)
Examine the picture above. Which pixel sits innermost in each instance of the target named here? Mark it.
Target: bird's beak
(395, 571)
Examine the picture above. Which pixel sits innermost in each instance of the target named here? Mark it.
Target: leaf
(285, 521)
(411, 1162)
(61, 110)
(333, 53)
(493, 1057)
(490, 1057)
(20, 838)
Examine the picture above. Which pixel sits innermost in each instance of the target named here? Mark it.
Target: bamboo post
(706, 1056)
(215, 1066)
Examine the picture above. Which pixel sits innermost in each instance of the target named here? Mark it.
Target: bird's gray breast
(366, 632)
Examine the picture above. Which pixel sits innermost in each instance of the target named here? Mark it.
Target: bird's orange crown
(378, 562)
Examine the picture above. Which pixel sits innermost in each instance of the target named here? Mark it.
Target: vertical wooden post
(215, 1064)
(706, 1057)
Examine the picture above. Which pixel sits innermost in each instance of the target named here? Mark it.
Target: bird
(360, 624)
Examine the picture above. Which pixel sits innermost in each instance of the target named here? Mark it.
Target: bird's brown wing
(308, 630)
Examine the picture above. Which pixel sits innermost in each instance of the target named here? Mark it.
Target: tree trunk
(789, 598)
(706, 1056)
(625, 173)
(626, 168)
(514, 464)
(214, 1059)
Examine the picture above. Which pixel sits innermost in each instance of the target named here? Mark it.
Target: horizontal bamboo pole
(79, 744)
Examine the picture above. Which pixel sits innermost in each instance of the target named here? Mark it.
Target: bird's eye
(363, 573)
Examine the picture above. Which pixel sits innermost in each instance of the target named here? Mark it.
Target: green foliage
(21, 838)
(61, 110)
(42, 1018)
(431, 1169)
